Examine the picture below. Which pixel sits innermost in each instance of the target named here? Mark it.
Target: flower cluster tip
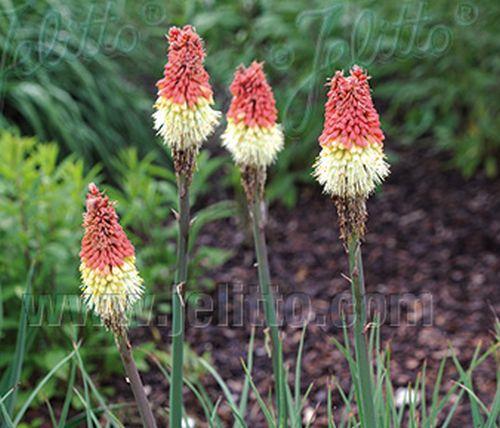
(352, 162)
(183, 115)
(252, 135)
(110, 280)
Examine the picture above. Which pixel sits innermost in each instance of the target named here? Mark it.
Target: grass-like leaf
(88, 381)
(18, 358)
(265, 410)
(69, 395)
(39, 387)
(225, 390)
(298, 368)
(246, 385)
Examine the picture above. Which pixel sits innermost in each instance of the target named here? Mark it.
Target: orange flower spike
(352, 162)
(183, 116)
(252, 135)
(185, 78)
(110, 280)
(253, 100)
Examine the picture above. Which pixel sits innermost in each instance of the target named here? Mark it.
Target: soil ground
(432, 265)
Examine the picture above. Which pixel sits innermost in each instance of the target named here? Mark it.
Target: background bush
(42, 201)
(64, 76)
(83, 74)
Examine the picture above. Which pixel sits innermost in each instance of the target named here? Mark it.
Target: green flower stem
(269, 307)
(360, 344)
(134, 379)
(178, 310)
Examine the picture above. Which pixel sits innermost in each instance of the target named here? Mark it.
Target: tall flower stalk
(254, 139)
(184, 118)
(111, 283)
(350, 165)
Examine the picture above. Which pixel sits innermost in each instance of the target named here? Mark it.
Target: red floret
(104, 242)
(253, 101)
(350, 116)
(185, 79)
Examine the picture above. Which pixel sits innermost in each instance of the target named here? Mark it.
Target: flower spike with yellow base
(184, 116)
(110, 280)
(352, 162)
(350, 166)
(254, 139)
(252, 135)
(111, 283)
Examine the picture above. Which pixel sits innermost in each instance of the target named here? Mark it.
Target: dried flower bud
(352, 162)
(253, 179)
(252, 135)
(351, 217)
(184, 116)
(110, 280)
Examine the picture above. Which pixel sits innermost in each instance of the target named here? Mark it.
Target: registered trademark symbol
(466, 13)
(281, 57)
(153, 13)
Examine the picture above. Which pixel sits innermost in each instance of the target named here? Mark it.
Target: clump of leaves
(41, 204)
(65, 76)
(40, 215)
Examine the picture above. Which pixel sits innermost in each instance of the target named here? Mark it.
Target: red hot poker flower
(350, 116)
(183, 114)
(110, 280)
(252, 135)
(185, 79)
(104, 243)
(352, 161)
(253, 100)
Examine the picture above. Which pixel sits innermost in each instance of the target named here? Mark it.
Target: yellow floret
(252, 146)
(351, 172)
(182, 127)
(111, 294)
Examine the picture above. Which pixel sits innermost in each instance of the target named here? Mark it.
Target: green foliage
(77, 72)
(8, 419)
(81, 393)
(445, 91)
(434, 80)
(63, 76)
(412, 406)
(41, 202)
(40, 220)
(418, 405)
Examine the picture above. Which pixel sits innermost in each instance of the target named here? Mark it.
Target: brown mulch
(432, 262)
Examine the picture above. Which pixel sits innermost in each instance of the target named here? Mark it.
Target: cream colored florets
(353, 172)
(109, 294)
(183, 127)
(252, 145)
